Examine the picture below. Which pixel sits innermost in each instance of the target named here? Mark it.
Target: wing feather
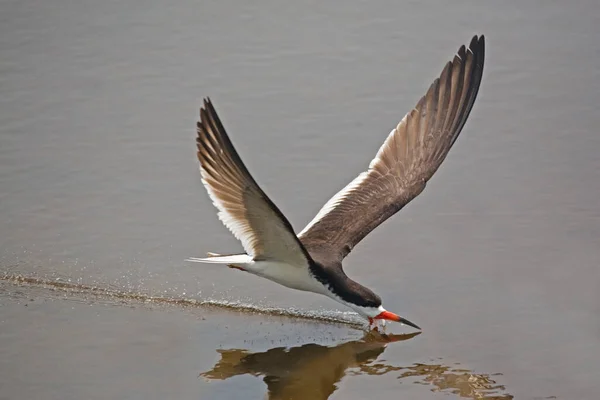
(408, 158)
(243, 207)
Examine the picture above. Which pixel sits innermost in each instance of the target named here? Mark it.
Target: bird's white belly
(295, 277)
(299, 277)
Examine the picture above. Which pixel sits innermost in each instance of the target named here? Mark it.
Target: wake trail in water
(346, 318)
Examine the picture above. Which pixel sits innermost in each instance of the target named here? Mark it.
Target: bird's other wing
(243, 207)
(408, 158)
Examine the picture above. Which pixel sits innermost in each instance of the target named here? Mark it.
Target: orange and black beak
(390, 316)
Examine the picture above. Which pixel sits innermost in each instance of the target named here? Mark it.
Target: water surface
(497, 260)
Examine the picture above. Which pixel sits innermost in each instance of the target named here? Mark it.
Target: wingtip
(478, 38)
(477, 43)
(206, 105)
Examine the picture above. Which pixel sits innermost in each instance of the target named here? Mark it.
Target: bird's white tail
(214, 258)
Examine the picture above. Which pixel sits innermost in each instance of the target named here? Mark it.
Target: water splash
(347, 318)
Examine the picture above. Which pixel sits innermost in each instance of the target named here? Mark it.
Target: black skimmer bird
(312, 260)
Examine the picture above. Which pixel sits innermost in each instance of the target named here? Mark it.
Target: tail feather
(214, 258)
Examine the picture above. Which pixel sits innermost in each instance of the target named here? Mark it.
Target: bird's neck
(344, 289)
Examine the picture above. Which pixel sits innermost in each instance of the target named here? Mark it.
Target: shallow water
(74, 335)
(99, 191)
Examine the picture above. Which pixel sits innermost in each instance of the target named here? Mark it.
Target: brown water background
(101, 202)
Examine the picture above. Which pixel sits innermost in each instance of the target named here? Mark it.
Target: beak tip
(407, 322)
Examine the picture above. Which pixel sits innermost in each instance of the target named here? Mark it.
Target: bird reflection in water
(312, 371)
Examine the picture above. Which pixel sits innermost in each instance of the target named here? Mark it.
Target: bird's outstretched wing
(243, 207)
(405, 162)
